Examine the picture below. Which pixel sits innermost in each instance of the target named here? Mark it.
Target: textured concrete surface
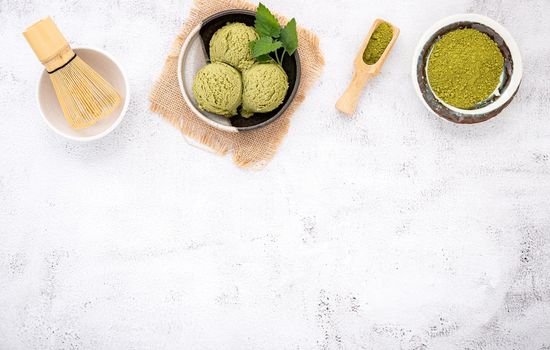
(391, 230)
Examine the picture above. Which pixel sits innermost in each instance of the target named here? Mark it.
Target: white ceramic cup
(51, 111)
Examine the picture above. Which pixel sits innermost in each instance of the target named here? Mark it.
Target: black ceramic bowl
(511, 75)
(189, 63)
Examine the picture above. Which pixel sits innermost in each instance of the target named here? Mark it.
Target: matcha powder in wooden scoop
(464, 68)
(379, 40)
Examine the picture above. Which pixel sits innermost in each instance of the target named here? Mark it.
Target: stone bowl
(194, 55)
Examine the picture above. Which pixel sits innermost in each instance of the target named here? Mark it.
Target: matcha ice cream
(218, 88)
(264, 88)
(234, 79)
(231, 44)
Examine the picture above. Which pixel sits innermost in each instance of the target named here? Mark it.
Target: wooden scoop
(363, 72)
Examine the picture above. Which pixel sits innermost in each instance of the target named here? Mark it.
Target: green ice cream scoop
(218, 88)
(264, 88)
(231, 44)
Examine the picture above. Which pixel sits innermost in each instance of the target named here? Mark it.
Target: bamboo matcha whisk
(85, 97)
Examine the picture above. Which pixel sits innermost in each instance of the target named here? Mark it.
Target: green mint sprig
(273, 37)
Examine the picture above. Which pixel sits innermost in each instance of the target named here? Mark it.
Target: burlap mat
(250, 148)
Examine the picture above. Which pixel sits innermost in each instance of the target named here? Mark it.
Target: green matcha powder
(464, 68)
(379, 40)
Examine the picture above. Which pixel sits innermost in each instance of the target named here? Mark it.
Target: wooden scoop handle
(348, 102)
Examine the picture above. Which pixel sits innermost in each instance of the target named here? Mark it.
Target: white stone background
(390, 230)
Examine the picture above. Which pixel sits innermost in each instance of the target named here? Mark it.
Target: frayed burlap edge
(250, 148)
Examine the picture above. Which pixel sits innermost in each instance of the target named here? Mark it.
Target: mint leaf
(289, 37)
(264, 45)
(272, 37)
(264, 58)
(266, 24)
